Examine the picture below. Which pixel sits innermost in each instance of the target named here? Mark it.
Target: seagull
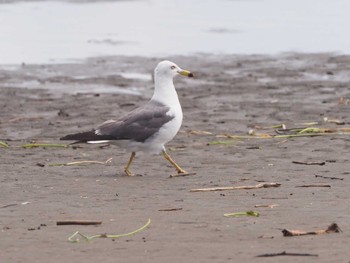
(147, 128)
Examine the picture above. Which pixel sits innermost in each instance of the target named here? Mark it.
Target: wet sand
(230, 95)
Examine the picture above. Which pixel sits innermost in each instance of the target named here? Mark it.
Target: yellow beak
(186, 73)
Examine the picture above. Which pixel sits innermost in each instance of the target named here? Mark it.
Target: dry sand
(230, 95)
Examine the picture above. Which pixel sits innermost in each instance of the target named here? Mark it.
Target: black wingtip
(69, 137)
(64, 138)
(86, 136)
(81, 137)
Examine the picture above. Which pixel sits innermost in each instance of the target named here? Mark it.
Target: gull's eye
(172, 67)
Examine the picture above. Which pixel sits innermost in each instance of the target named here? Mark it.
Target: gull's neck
(164, 91)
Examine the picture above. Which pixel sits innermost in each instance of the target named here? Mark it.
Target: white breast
(166, 133)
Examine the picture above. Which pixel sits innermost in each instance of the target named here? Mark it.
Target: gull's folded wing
(138, 125)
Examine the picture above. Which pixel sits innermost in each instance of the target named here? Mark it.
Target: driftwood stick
(269, 206)
(9, 205)
(314, 185)
(284, 253)
(170, 209)
(309, 163)
(82, 163)
(333, 228)
(329, 177)
(247, 187)
(77, 222)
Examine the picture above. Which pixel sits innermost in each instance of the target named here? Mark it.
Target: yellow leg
(127, 171)
(177, 167)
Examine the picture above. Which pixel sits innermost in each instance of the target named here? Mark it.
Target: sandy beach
(230, 96)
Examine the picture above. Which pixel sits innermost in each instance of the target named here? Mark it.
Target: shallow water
(41, 32)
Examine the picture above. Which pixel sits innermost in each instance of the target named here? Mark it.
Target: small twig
(33, 145)
(336, 121)
(266, 237)
(299, 135)
(10, 140)
(282, 126)
(181, 174)
(278, 126)
(73, 238)
(327, 177)
(82, 163)
(333, 228)
(248, 187)
(9, 205)
(289, 131)
(238, 214)
(269, 206)
(314, 185)
(315, 130)
(77, 222)
(170, 209)
(284, 253)
(309, 163)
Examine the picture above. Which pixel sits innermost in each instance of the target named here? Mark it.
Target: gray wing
(138, 125)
